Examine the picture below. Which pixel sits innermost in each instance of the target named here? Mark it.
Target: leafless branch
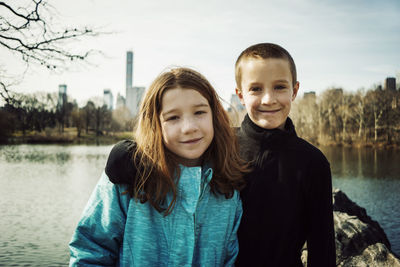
(28, 32)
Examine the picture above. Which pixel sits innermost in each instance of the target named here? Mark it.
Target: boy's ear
(295, 90)
(239, 94)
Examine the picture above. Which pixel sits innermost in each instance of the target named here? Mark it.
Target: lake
(44, 188)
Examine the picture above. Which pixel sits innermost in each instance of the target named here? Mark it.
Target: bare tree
(89, 111)
(78, 119)
(375, 106)
(360, 116)
(28, 30)
(122, 119)
(330, 117)
(347, 111)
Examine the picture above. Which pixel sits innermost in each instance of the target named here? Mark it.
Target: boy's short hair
(264, 51)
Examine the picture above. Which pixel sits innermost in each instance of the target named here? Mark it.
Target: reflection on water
(51, 154)
(43, 191)
(364, 162)
(371, 178)
(14, 154)
(44, 188)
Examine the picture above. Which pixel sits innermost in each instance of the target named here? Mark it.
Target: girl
(168, 198)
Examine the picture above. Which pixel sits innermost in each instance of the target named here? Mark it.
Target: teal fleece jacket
(116, 230)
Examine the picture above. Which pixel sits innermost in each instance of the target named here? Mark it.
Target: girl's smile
(192, 141)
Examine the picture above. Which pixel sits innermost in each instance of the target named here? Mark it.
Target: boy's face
(267, 91)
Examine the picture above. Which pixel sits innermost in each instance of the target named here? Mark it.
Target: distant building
(235, 103)
(120, 101)
(338, 91)
(134, 94)
(133, 98)
(390, 83)
(108, 99)
(236, 111)
(129, 69)
(310, 96)
(62, 96)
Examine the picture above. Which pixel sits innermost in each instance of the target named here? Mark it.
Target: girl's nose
(189, 125)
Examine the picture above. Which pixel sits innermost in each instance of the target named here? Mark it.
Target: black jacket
(287, 200)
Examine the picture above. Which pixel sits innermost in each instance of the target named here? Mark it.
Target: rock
(342, 204)
(374, 255)
(360, 241)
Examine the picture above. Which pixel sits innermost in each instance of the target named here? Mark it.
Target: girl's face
(186, 123)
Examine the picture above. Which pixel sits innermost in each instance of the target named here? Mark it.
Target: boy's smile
(267, 91)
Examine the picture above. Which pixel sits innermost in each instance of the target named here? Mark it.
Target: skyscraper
(62, 96)
(129, 69)
(120, 101)
(310, 96)
(133, 98)
(235, 103)
(133, 94)
(108, 99)
(390, 83)
(236, 110)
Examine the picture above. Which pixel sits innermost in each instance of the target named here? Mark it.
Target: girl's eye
(199, 112)
(172, 118)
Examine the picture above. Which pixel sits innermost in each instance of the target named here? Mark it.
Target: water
(371, 178)
(44, 188)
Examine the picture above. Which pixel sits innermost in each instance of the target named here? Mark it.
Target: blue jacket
(116, 230)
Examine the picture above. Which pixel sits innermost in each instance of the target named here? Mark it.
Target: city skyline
(334, 43)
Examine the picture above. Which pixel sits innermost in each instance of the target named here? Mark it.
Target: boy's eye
(255, 89)
(280, 87)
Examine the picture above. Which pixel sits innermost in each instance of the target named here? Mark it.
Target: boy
(288, 197)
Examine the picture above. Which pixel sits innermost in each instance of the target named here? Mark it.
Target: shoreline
(113, 138)
(68, 137)
(379, 145)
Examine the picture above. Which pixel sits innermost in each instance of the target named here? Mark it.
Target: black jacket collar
(267, 138)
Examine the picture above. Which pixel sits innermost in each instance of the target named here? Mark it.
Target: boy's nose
(268, 97)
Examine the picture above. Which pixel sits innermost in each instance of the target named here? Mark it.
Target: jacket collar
(267, 138)
(204, 173)
(192, 184)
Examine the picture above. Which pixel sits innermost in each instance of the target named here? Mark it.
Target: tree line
(42, 112)
(337, 117)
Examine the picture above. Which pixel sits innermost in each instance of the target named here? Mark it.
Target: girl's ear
(240, 95)
(295, 90)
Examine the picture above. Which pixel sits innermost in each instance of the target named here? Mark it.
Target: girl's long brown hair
(157, 167)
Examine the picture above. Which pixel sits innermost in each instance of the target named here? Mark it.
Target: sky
(350, 44)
